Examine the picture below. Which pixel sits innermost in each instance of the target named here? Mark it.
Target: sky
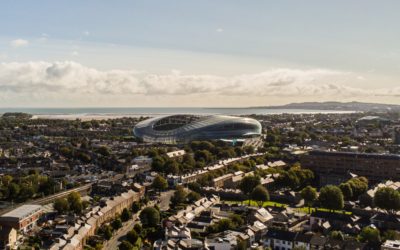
(197, 53)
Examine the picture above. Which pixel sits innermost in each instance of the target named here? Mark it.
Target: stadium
(182, 129)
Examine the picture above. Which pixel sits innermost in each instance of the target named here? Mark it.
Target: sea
(104, 113)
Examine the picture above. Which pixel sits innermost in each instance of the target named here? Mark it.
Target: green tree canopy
(309, 194)
(125, 245)
(135, 207)
(388, 199)
(331, 198)
(126, 215)
(159, 183)
(193, 196)
(179, 196)
(150, 217)
(346, 191)
(260, 195)
(248, 183)
(369, 234)
(61, 205)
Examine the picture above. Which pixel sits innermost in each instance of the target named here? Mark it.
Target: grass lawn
(138, 242)
(271, 203)
(253, 203)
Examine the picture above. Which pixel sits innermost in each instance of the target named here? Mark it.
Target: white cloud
(360, 78)
(219, 30)
(42, 40)
(71, 81)
(111, 45)
(86, 33)
(19, 43)
(74, 53)
(44, 34)
(4, 56)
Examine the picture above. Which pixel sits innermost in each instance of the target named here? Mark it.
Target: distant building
(177, 155)
(335, 178)
(396, 135)
(375, 167)
(372, 119)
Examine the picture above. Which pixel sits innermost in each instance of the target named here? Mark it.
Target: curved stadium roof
(186, 128)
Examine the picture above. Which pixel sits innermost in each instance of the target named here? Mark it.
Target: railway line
(50, 198)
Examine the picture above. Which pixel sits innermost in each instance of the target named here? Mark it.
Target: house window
(22, 225)
(297, 242)
(283, 242)
(277, 241)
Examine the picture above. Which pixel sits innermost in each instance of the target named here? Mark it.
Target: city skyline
(188, 54)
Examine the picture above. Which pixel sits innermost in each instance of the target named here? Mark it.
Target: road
(120, 236)
(165, 198)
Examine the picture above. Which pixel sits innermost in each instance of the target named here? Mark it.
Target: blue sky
(197, 53)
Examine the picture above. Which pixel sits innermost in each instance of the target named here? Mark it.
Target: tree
(135, 207)
(346, 191)
(84, 145)
(138, 228)
(117, 223)
(159, 183)
(33, 171)
(193, 196)
(128, 160)
(172, 168)
(238, 151)
(388, 199)
(309, 194)
(132, 236)
(179, 196)
(103, 150)
(260, 195)
(331, 198)
(391, 235)
(369, 234)
(237, 220)
(249, 149)
(99, 246)
(6, 180)
(126, 215)
(146, 199)
(125, 245)
(336, 235)
(248, 183)
(195, 186)
(14, 190)
(156, 207)
(287, 179)
(74, 200)
(242, 245)
(61, 205)
(150, 217)
(64, 182)
(108, 234)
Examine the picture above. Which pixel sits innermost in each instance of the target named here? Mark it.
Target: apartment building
(375, 167)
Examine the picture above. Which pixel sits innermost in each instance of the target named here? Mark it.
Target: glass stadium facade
(182, 129)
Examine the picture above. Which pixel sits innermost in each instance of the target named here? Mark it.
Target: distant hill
(345, 106)
(16, 115)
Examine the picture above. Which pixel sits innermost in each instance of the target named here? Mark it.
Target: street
(120, 236)
(165, 198)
